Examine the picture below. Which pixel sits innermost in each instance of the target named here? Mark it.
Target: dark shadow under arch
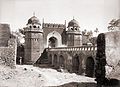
(76, 64)
(61, 61)
(55, 60)
(50, 58)
(89, 67)
(52, 42)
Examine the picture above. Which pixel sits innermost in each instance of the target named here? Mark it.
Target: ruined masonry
(8, 47)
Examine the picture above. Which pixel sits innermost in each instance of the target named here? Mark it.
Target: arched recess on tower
(54, 39)
(90, 67)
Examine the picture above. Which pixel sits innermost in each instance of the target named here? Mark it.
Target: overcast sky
(90, 14)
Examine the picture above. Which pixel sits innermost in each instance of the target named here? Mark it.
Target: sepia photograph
(59, 43)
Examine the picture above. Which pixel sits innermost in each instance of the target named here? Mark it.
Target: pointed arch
(56, 35)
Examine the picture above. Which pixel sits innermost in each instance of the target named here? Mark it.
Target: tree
(84, 32)
(114, 24)
(19, 37)
(22, 31)
(93, 40)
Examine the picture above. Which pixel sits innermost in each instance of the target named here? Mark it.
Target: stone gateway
(60, 46)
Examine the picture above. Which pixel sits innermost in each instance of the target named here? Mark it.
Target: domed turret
(73, 26)
(73, 23)
(33, 23)
(74, 37)
(33, 20)
(33, 40)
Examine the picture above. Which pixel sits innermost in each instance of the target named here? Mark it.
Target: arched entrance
(55, 60)
(75, 64)
(54, 37)
(61, 61)
(89, 67)
(52, 42)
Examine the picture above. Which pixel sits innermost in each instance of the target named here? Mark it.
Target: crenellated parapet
(53, 25)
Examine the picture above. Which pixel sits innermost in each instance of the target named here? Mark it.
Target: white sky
(89, 13)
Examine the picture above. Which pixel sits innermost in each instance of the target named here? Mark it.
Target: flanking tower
(33, 41)
(74, 36)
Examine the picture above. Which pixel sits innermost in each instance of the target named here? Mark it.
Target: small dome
(33, 20)
(73, 23)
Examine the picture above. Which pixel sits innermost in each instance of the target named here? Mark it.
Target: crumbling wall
(8, 54)
(107, 59)
(112, 50)
(4, 34)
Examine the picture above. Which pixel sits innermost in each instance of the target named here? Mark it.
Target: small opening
(75, 28)
(34, 26)
(71, 28)
(30, 26)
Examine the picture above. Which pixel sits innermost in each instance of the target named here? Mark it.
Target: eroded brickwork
(8, 54)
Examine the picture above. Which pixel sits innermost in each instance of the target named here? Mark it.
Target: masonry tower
(33, 40)
(74, 37)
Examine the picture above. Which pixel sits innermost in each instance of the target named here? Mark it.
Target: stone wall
(33, 47)
(107, 59)
(113, 48)
(4, 34)
(74, 59)
(8, 54)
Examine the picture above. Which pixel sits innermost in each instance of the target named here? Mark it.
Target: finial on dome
(65, 22)
(73, 17)
(43, 20)
(33, 13)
